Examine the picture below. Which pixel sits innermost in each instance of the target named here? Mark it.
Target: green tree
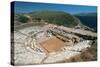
(23, 19)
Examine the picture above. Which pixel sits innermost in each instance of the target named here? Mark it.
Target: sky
(26, 7)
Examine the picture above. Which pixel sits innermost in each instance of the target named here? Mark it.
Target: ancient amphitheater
(49, 44)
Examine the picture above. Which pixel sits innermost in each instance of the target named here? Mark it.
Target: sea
(90, 21)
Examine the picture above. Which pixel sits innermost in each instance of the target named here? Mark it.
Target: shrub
(23, 19)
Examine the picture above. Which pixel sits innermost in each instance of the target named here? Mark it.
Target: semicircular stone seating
(28, 51)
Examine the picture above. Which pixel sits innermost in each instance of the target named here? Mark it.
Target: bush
(23, 19)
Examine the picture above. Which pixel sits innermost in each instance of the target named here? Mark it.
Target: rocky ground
(26, 49)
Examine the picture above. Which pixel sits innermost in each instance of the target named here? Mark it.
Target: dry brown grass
(88, 55)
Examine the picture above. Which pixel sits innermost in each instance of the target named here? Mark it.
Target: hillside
(53, 17)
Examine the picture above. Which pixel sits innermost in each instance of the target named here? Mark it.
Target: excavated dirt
(53, 44)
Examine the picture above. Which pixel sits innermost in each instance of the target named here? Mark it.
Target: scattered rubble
(49, 44)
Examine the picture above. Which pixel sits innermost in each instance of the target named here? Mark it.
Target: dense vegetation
(22, 18)
(55, 17)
